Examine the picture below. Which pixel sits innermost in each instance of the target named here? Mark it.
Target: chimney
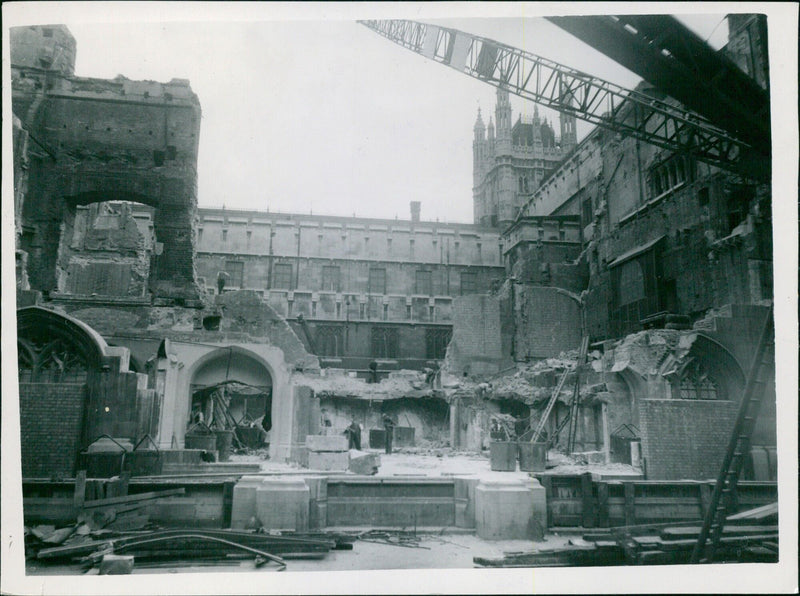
(415, 206)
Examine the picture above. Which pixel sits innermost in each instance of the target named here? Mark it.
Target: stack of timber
(750, 536)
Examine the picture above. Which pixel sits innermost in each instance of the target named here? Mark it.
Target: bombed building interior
(589, 345)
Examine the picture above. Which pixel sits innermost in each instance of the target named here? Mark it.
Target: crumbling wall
(100, 140)
(106, 254)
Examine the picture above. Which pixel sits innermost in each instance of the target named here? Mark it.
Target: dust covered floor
(426, 551)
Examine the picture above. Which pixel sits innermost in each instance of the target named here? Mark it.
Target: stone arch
(58, 357)
(34, 322)
(229, 366)
(720, 364)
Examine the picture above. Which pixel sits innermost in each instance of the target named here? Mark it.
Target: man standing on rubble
(388, 427)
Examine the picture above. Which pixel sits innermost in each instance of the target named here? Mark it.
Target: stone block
(328, 460)
(243, 508)
(538, 498)
(282, 503)
(318, 501)
(116, 565)
(364, 463)
(326, 443)
(464, 495)
(504, 509)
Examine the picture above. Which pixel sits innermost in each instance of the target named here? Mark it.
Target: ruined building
(662, 262)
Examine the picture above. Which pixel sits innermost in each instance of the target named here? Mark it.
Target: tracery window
(697, 384)
(43, 359)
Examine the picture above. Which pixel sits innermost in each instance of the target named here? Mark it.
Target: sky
(326, 116)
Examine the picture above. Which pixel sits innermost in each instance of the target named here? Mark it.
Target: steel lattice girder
(573, 92)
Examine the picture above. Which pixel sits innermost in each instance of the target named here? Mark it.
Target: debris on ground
(743, 539)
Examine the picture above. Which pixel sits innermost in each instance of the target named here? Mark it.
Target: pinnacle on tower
(479, 128)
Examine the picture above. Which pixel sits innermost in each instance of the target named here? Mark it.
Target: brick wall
(547, 322)
(684, 439)
(477, 343)
(51, 420)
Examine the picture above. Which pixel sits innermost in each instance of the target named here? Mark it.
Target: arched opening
(232, 390)
(58, 357)
(107, 247)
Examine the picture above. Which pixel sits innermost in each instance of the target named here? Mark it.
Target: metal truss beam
(570, 91)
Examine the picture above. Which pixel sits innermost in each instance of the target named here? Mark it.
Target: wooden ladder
(576, 399)
(738, 446)
(554, 397)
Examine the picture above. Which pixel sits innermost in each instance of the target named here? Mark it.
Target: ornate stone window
(330, 340)
(44, 359)
(696, 383)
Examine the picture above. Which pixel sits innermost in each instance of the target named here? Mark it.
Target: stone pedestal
(282, 504)
(243, 508)
(506, 509)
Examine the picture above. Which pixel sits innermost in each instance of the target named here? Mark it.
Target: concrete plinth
(464, 495)
(318, 502)
(243, 508)
(328, 460)
(506, 510)
(282, 504)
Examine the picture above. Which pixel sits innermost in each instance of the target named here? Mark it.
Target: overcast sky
(326, 115)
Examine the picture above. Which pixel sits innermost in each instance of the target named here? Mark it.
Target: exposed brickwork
(684, 438)
(51, 419)
(547, 322)
(477, 346)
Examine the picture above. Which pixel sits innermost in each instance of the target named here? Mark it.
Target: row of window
(282, 278)
(411, 241)
(384, 342)
(667, 175)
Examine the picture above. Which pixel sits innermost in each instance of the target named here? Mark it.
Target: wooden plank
(602, 504)
(587, 501)
(547, 482)
(124, 480)
(630, 503)
(132, 498)
(705, 497)
(80, 488)
(227, 503)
